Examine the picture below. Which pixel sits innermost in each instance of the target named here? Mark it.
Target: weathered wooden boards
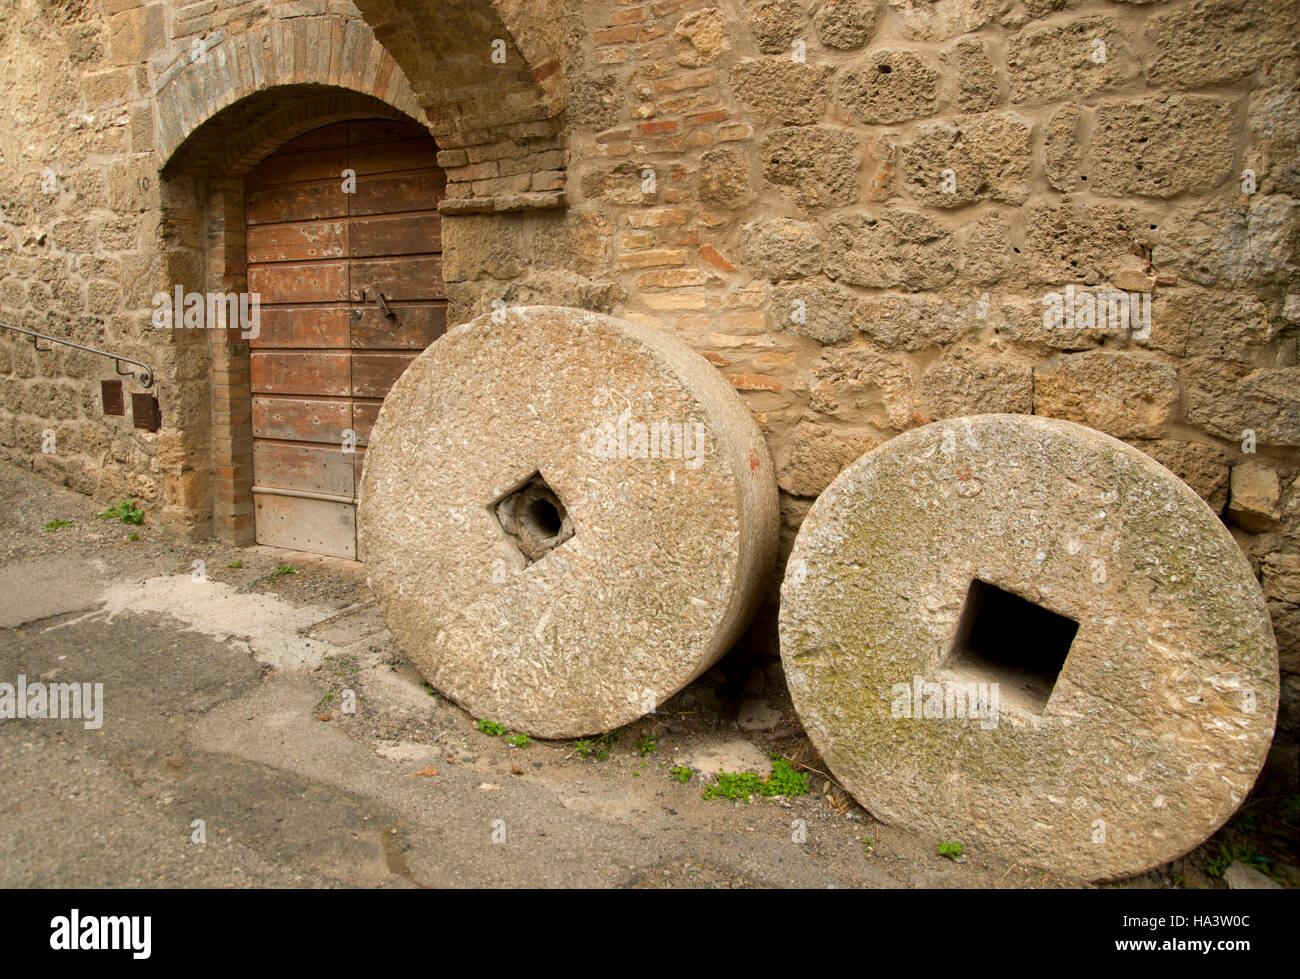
(336, 220)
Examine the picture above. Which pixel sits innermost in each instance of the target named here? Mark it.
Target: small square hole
(534, 518)
(1005, 639)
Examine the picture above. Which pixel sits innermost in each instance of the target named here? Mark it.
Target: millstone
(565, 518)
(1077, 598)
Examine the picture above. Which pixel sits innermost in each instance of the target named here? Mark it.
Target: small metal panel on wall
(111, 394)
(145, 413)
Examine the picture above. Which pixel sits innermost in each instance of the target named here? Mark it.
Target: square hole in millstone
(534, 518)
(1008, 640)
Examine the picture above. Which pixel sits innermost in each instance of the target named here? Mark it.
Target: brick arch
(285, 57)
(475, 104)
(445, 48)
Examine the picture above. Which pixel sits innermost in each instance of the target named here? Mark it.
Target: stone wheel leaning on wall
(1021, 634)
(565, 518)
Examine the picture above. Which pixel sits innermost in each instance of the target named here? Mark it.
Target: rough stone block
(1255, 500)
(1226, 244)
(916, 322)
(701, 37)
(1161, 147)
(816, 454)
(937, 20)
(858, 383)
(845, 24)
(1068, 242)
(972, 158)
(890, 249)
(978, 85)
(782, 249)
(775, 24)
(783, 90)
(1073, 60)
(1229, 400)
(1127, 395)
(724, 178)
(816, 308)
(1273, 153)
(889, 86)
(972, 381)
(1213, 43)
(816, 166)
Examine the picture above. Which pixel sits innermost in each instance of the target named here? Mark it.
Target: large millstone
(565, 518)
(1070, 577)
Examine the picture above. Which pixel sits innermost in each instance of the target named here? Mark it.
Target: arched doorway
(344, 248)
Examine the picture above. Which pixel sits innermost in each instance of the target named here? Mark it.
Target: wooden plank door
(351, 289)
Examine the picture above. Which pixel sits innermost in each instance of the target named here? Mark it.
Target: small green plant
(1290, 807)
(607, 742)
(133, 536)
(235, 563)
(56, 523)
(681, 773)
(870, 843)
(283, 570)
(126, 511)
(953, 851)
(491, 728)
(1245, 821)
(519, 740)
(784, 780)
(647, 745)
(1218, 864)
(428, 689)
(599, 748)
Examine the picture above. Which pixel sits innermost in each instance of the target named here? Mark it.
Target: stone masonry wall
(855, 209)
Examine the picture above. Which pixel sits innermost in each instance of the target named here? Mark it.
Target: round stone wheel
(565, 518)
(1075, 597)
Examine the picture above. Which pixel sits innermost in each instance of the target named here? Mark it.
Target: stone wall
(854, 209)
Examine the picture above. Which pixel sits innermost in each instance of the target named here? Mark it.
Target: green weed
(784, 780)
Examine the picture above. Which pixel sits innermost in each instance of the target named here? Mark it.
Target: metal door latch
(379, 298)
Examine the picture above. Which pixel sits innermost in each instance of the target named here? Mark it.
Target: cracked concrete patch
(271, 627)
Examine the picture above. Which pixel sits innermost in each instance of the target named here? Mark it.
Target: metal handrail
(144, 376)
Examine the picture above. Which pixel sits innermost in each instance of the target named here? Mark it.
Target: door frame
(224, 269)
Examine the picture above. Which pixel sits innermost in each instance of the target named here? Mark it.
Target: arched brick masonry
(218, 116)
(489, 77)
(334, 51)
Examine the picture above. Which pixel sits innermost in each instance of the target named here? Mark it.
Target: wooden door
(351, 287)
